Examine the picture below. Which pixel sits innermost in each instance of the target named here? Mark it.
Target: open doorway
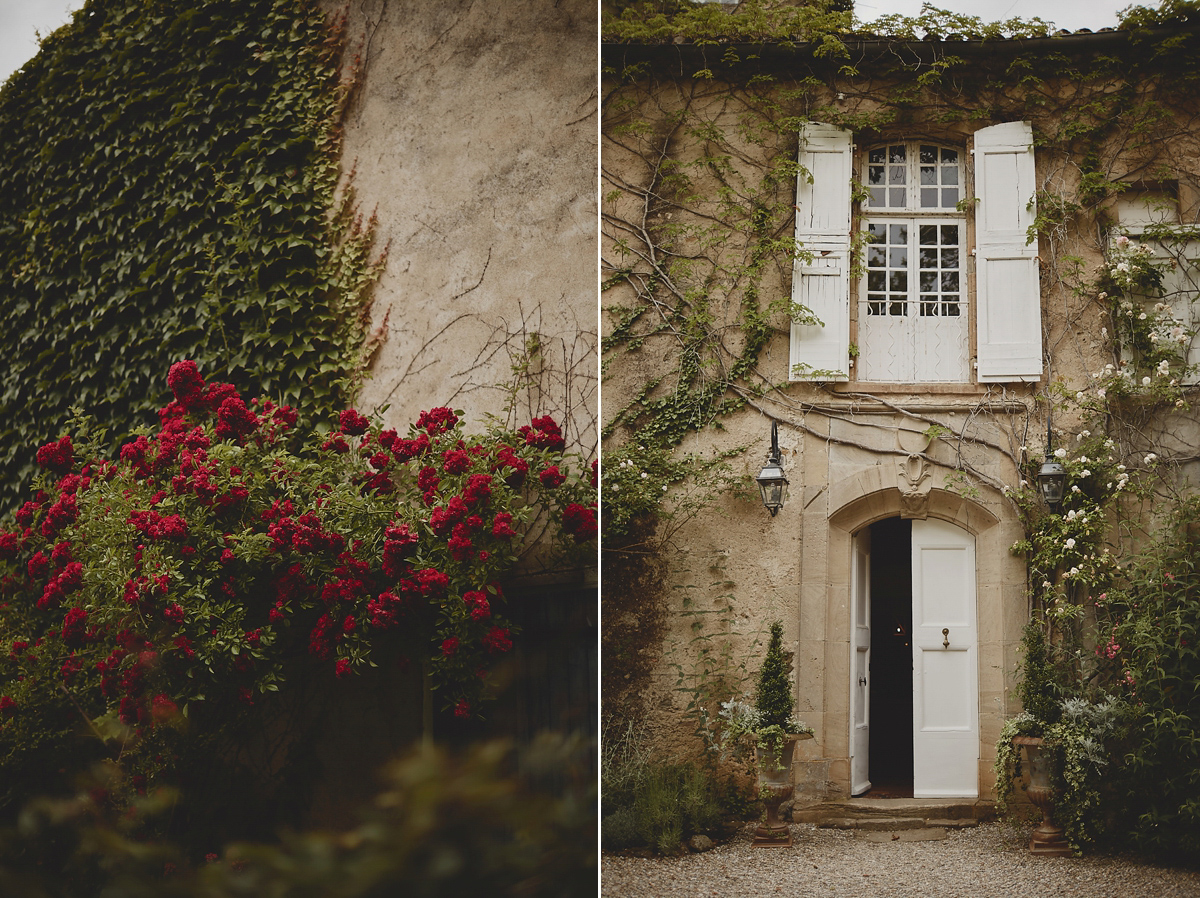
(891, 676)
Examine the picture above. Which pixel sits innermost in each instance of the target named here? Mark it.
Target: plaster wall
(471, 137)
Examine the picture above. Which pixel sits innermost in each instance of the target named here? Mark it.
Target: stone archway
(830, 521)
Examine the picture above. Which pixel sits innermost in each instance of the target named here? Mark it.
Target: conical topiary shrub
(773, 699)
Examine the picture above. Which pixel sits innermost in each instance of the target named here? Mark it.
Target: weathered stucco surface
(472, 138)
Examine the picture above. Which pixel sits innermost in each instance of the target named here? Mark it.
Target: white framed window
(914, 306)
(1150, 216)
(912, 310)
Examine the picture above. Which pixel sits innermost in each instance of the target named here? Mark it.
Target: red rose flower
(460, 545)
(174, 613)
(506, 457)
(74, 627)
(234, 420)
(543, 433)
(342, 668)
(456, 461)
(551, 477)
(437, 420)
(186, 383)
(450, 646)
(462, 710)
(502, 526)
(579, 521)
(58, 456)
(433, 583)
(497, 640)
(351, 423)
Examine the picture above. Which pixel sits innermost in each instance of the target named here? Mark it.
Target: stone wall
(471, 137)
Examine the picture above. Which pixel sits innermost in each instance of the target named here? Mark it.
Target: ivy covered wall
(169, 175)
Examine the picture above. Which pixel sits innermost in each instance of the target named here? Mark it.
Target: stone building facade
(954, 202)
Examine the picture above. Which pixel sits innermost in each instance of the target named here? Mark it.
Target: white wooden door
(945, 662)
(860, 665)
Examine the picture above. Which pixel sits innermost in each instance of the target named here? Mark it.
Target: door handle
(945, 637)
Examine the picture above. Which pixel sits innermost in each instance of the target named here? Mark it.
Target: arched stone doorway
(827, 655)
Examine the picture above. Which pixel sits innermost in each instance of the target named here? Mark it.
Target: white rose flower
(1102, 392)
(1060, 453)
(1070, 543)
(1145, 381)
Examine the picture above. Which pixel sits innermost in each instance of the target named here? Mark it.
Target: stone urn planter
(775, 787)
(1048, 839)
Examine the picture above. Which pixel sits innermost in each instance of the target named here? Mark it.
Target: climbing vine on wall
(700, 172)
(170, 178)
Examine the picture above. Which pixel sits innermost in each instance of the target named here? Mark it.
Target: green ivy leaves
(169, 176)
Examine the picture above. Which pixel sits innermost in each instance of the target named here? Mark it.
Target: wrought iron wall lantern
(1052, 476)
(771, 480)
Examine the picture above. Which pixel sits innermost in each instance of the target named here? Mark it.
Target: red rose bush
(218, 551)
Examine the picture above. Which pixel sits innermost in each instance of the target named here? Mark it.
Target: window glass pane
(898, 281)
(928, 174)
(950, 282)
(928, 258)
(949, 258)
(898, 257)
(929, 305)
(949, 156)
(898, 309)
(876, 280)
(876, 256)
(950, 235)
(897, 174)
(949, 197)
(874, 174)
(896, 154)
(896, 197)
(950, 310)
(877, 232)
(878, 197)
(876, 155)
(929, 197)
(949, 174)
(929, 155)
(929, 235)
(876, 305)
(898, 234)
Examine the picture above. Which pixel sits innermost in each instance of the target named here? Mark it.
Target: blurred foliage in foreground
(494, 821)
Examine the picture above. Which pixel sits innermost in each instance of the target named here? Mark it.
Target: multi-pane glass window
(935, 182)
(914, 263)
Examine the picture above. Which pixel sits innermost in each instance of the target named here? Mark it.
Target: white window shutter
(823, 229)
(1008, 314)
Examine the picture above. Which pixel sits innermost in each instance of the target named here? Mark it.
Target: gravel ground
(981, 862)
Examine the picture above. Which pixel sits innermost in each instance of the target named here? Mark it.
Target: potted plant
(1033, 730)
(772, 726)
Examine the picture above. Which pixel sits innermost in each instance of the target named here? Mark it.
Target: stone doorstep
(896, 814)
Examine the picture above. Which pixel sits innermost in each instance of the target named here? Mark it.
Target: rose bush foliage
(188, 574)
